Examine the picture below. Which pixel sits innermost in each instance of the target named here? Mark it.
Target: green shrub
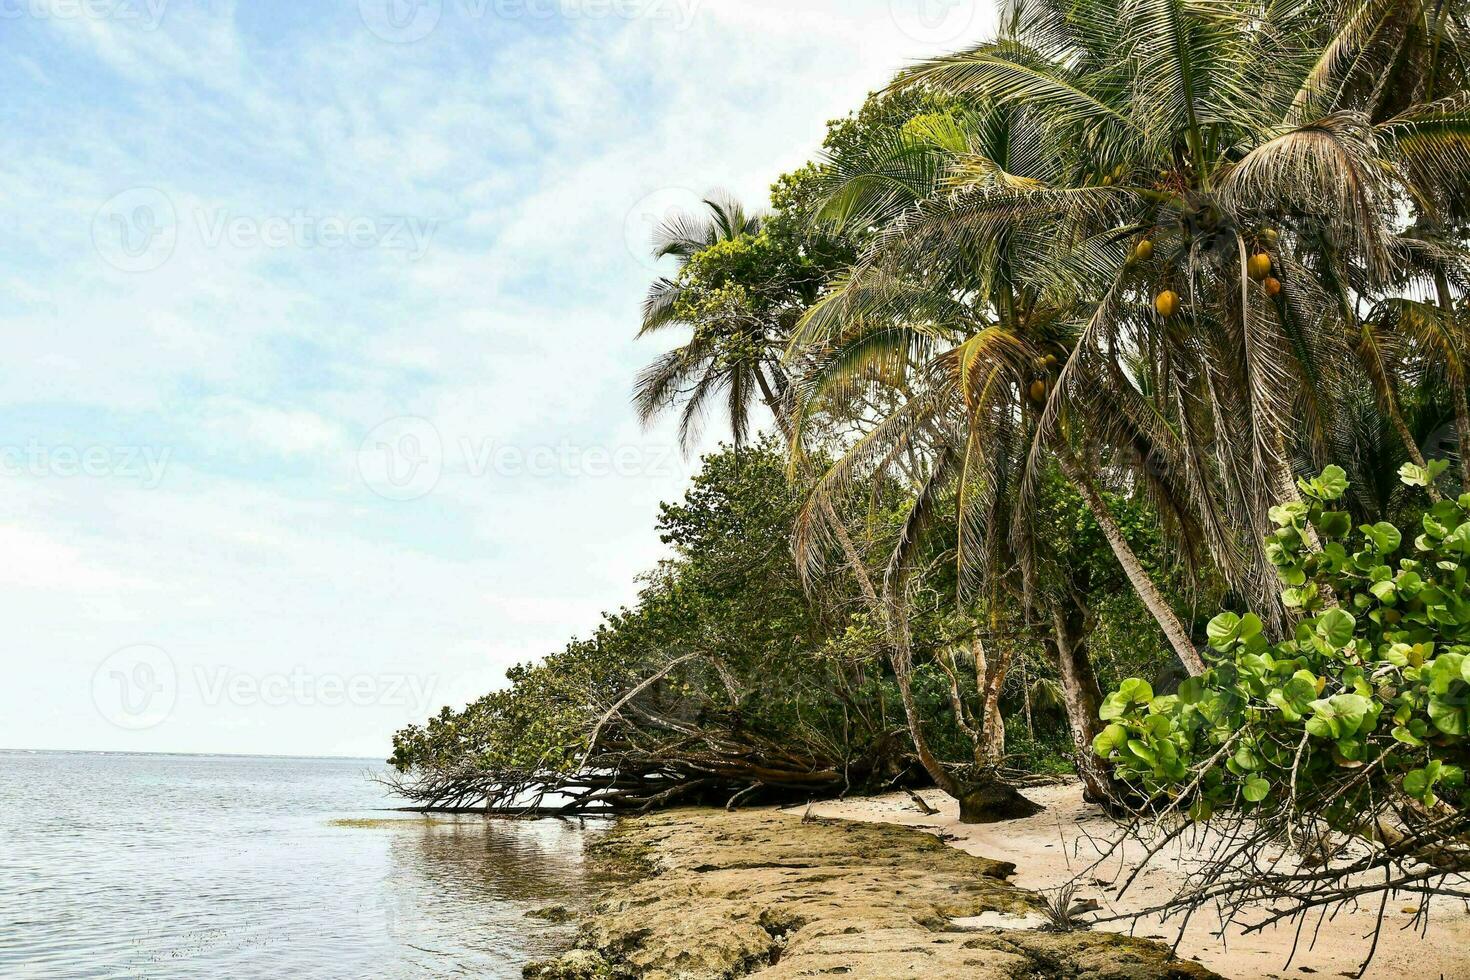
(1366, 701)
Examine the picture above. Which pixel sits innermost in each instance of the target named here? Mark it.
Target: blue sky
(320, 324)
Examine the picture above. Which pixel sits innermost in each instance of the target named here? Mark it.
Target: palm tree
(729, 351)
(985, 340)
(1102, 223)
(735, 350)
(1228, 139)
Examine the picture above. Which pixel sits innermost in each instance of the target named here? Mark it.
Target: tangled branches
(662, 740)
(1328, 769)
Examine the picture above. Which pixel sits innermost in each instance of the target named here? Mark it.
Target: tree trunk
(990, 799)
(1395, 415)
(1457, 386)
(1148, 592)
(1083, 699)
(1026, 700)
(901, 654)
(891, 613)
(984, 799)
(990, 677)
(1401, 427)
(993, 802)
(1462, 429)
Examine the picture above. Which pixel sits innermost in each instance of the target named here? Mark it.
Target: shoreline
(775, 894)
(872, 887)
(1052, 847)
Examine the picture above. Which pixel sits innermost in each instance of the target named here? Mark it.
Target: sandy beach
(1050, 848)
(875, 888)
(768, 893)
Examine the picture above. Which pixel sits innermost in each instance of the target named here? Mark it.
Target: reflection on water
(169, 866)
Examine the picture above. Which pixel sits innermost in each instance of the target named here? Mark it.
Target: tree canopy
(1122, 351)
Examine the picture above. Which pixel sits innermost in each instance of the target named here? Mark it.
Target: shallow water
(206, 866)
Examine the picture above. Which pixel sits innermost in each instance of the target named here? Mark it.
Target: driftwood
(1296, 864)
(703, 768)
(923, 806)
(650, 749)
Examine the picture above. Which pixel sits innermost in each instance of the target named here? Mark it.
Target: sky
(320, 323)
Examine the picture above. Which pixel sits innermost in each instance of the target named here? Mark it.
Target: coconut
(1038, 390)
(1167, 303)
(1272, 286)
(1144, 250)
(1259, 265)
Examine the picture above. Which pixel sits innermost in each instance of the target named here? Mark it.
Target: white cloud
(235, 422)
(526, 145)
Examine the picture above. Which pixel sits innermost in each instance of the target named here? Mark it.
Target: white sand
(1051, 848)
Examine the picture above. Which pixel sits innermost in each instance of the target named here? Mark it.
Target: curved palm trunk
(1457, 386)
(990, 678)
(901, 655)
(1083, 699)
(988, 798)
(984, 799)
(890, 611)
(1462, 429)
(1411, 446)
(1148, 592)
(1383, 380)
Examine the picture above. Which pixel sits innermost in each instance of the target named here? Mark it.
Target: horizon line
(197, 755)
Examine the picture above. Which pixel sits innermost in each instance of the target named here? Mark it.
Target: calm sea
(223, 867)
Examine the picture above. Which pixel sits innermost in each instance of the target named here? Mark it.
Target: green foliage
(770, 659)
(1367, 696)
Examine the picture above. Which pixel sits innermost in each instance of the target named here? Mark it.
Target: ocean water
(227, 867)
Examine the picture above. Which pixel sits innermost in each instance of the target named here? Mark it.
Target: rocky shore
(703, 894)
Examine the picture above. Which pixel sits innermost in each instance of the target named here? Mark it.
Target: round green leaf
(1336, 628)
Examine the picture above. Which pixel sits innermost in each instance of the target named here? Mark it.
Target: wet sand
(767, 893)
(1050, 848)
